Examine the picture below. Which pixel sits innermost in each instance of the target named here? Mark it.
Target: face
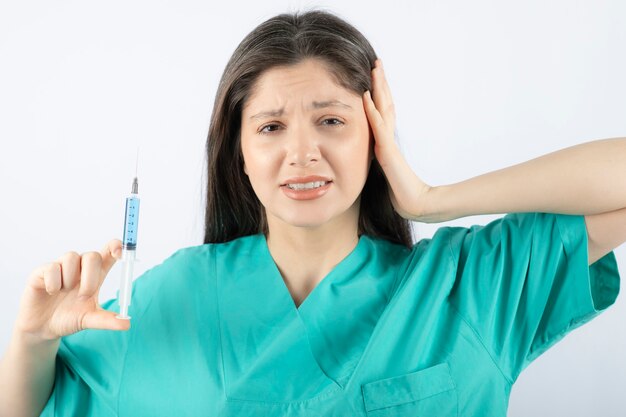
(299, 122)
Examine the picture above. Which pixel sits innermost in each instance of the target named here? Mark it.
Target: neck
(305, 255)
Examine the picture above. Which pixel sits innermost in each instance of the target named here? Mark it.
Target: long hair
(232, 208)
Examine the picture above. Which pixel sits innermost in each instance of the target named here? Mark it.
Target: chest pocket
(425, 393)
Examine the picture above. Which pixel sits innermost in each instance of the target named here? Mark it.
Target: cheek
(351, 160)
(260, 164)
(252, 160)
(363, 144)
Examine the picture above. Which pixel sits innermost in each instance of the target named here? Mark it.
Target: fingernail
(117, 253)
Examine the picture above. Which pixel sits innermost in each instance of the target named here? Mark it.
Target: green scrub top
(443, 328)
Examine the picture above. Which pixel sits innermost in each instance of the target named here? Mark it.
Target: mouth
(305, 186)
(307, 190)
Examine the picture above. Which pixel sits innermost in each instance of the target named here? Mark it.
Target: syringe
(129, 245)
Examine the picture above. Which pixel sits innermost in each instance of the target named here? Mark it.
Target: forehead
(306, 80)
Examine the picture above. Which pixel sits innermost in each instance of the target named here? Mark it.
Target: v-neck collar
(351, 258)
(309, 351)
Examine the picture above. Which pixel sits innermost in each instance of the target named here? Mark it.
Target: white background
(478, 86)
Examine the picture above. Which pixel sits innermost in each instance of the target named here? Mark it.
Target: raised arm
(587, 179)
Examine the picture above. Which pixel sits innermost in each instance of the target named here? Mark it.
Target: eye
(272, 127)
(263, 130)
(336, 122)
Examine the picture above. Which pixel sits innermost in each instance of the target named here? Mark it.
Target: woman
(308, 296)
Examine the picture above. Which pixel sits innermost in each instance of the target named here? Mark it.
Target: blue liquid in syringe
(131, 219)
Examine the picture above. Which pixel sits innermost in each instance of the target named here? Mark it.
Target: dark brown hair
(232, 207)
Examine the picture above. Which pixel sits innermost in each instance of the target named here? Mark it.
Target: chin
(299, 221)
(305, 218)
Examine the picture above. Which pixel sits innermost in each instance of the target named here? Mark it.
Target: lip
(308, 178)
(306, 194)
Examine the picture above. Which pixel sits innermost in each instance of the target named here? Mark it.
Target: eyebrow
(314, 105)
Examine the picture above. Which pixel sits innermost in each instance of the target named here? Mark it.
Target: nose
(303, 150)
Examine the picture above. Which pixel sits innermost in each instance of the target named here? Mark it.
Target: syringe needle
(137, 162)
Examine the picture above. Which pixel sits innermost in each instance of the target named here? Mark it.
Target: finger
(110, 254)
(381, 129)
(90, 274)
(374, 116)
(52, 278)
(382, 92)
(35, 280)
(381, 78)
(104, 319)
(70, 270)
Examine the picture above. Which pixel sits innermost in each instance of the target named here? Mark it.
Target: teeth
(306, 186)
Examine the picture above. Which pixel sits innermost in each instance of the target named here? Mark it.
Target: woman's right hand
(61, 297)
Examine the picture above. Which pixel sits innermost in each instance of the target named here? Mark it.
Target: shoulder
(516, 229)
(182, 262)
(173, 280)
(436, 247)
(189, 267)
(385, 249)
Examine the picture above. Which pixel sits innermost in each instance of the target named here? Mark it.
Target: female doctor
(308, 297)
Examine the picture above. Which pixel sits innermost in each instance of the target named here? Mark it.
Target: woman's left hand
(407, 191)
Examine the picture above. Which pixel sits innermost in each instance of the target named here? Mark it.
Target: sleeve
(523, 282)
(88, 370)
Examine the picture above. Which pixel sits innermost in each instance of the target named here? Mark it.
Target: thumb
(104, 320)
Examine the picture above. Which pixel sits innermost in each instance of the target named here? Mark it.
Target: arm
(588, 179)
(26, 375)
(605, 232)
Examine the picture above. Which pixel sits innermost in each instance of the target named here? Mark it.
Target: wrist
(439, 206)
(28, 341)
